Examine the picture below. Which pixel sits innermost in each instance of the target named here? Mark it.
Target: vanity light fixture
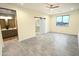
(5, 17)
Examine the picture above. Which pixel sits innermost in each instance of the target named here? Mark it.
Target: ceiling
(42, 7)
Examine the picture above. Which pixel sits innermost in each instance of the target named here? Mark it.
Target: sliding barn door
(40, 26)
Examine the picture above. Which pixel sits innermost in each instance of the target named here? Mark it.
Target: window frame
(62, 20)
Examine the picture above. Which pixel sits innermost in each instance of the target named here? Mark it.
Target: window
(62, 21)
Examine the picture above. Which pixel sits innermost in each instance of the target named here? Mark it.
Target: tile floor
(50, 44)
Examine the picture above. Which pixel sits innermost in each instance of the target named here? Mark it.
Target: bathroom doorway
(40, 25)
(8, 24)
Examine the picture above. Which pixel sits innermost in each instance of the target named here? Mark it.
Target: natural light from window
(62, 20)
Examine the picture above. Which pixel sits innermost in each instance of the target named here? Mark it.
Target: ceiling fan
(53, 6)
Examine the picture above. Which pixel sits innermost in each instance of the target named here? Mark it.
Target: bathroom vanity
(6, 33)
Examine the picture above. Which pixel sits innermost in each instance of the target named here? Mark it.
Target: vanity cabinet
(9, 33)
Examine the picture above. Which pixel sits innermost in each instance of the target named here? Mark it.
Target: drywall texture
(73, 23)
(26, 21)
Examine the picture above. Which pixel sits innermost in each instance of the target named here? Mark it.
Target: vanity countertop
(8, 29)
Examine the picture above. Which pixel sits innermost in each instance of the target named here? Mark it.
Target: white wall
(1, 42)
(73, 23)
(26, 21)
(78, 33)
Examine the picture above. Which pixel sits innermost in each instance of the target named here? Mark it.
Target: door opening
(8, 24)
(40, 25)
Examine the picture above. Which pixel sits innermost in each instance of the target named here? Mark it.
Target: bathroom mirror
(8, 24)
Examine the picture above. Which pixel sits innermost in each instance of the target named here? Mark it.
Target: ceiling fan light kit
(53, 6)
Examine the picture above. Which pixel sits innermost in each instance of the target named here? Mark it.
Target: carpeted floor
(50, 44)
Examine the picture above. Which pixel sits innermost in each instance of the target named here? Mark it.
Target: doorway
(40, 25)
(8, 24)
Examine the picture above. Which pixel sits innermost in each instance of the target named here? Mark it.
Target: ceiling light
(21, 3)
(72, 8)
(53, 6)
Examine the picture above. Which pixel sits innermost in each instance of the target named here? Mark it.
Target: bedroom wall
(73, 23)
